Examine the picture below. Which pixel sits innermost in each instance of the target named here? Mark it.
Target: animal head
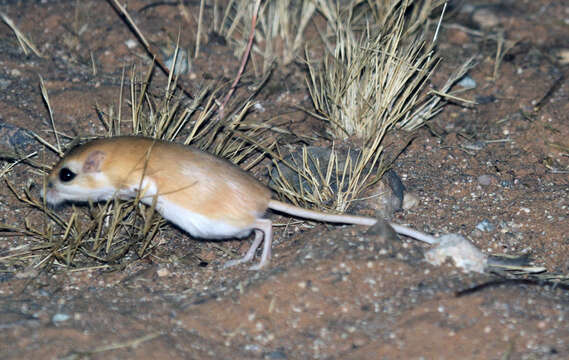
(80, 176)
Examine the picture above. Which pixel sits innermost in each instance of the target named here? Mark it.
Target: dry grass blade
(44, 253)
(48, 104)
(119, 116)
(150, 228)
(17, 160)
(282, 31)
(47, 144)
(25, 43)
(138, 103)
(502, 48)
(169, 118)
(28, 199)
(114, 346)
(93, 63)
(198, 35)
(435, 103)
(377, 14)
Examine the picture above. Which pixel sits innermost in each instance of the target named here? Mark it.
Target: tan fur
(198, 181)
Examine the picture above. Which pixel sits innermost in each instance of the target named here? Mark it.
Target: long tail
(415, 234)
(318, 216)
(346, 219)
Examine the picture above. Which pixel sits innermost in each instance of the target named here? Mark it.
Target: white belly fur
(198, 225)
(195, 224)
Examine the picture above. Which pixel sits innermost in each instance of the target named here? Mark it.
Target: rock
(464, 254)
(485, 18)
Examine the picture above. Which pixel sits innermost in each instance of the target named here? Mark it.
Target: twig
(243, 61)
(126, 344)
(130, 22)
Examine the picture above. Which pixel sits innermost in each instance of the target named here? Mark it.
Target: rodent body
(206, 196)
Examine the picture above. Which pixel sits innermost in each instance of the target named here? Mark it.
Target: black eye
(66, 175)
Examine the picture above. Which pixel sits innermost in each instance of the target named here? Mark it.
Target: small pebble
(253, 348)
(131, 43)
(259, 107)
(486, 226)
(409, 201)
(467, 82)
(4, 83)
(485, 180)
(465, 255)
(60, 317)
(275, 355)
(182, 63)
(475, 234)
(485, 18)
(163, 272)
(563, 56)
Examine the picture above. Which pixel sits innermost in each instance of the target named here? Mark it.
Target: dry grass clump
(103, 232)
(371, 80)
(325, 178)
(280, 33)
(369, 85)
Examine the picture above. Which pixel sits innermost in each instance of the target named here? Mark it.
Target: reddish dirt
(330, 292)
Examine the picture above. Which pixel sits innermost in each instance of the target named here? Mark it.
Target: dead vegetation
(279, 37)
(370, 81)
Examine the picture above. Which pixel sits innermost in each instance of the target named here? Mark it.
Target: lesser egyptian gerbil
(206, 196)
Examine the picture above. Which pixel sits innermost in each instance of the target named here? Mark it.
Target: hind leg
(250, 252)
(263, 230)
(266, 227)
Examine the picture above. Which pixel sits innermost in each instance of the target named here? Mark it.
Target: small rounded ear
(94, 161)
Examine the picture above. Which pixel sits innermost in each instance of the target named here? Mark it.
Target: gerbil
(206, 196)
